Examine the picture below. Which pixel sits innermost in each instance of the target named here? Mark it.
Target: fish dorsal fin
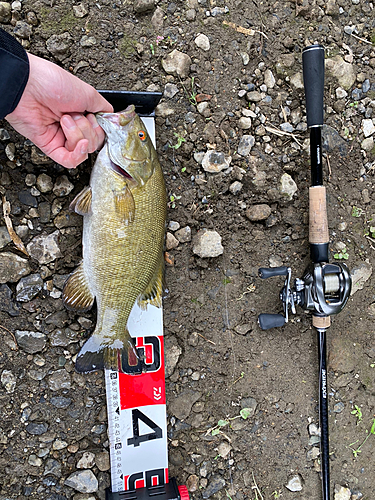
(124, 204)
(154, 291)
(82, 202)
(76, 293)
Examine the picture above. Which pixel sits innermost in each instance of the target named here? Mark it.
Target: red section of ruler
(146, 388)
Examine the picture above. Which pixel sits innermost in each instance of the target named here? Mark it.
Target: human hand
(52, 113)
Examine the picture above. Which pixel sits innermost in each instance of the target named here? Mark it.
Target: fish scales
(123, 237)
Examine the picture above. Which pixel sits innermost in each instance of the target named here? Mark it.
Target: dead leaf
(13, 235)
(244, 31)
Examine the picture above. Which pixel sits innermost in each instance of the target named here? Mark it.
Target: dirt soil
(243, 78)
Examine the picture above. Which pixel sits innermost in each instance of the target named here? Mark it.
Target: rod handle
(269, 272)
(267, 321)
(318, 221)
(313, 79)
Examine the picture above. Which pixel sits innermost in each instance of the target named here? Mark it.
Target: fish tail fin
(98, 353)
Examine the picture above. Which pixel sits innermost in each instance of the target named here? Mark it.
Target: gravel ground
(233, 144)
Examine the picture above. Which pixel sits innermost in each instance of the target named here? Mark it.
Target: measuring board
(136, 403)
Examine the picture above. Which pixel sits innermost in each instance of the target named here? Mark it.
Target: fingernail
(68, 122)
(76, 116)
(84, 150)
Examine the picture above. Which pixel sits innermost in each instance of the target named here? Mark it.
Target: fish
(124, 216)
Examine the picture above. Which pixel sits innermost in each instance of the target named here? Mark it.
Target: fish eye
(142, 135)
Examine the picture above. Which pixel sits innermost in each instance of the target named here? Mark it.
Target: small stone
(8, 380)
(80, 10)
(181, 405)
(269, 79)
(243, 329)
(259, 212)
(216, 484)
(59, 45)
(86, 461)
(368, 127)
(339, 407)
(62, 186)
(224, 449)
(235, 187)
(207, 243)
(141, 6)
(344, 72)
(245, 145)
(34, 461)
(341, 93)
(245, 58)
(184, 234)
(342, 493)
(7, 304)
(295, 483)
(203, 109)
(164, 110)
(23, 30)
(202, 42)
(36, 429)
(367, 144)
(63, 337)
(52, 467)
(60, 402)
(214, 162)
(29, 287)
(83, 481)
(4, 237)
(31, 342)
(27, 198)
(244, 122)
(102, 461)
(59, 445)
(172, 354)
(190, 14)
(177, 63)
(313, 454)
(87, 41)
(173, 225)
(44, 248)
(192, 483)
(287, 187)
(5, 12)
(170, 90)
(59, 379)
(254, 96)
(218, 11)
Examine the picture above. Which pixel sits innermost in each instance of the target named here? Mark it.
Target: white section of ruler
(150, 454)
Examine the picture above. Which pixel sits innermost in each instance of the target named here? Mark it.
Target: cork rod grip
(318, 222)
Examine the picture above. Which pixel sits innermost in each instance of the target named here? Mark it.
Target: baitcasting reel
(323, 289)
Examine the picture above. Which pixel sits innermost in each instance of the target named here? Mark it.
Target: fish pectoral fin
(153, 293)
(82, 202)
(124, 204)
(76, 293)
(99, 352)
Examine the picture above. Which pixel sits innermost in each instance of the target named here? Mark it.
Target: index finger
(96, 103)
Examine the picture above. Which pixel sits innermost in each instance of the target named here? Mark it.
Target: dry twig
(244, 31)
(13, 235)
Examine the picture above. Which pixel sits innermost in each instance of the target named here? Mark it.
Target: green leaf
(215, 432)
(222, 423)
(245, 413)
(373, 427)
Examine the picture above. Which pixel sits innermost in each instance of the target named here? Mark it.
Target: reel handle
(268, 321)
(269, 272)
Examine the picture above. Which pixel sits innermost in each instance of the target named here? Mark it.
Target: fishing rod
(324, 287)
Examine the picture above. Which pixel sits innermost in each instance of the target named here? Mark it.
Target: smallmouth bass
(124, 213)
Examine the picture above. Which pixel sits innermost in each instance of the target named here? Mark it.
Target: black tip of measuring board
(144, 102)
(167, 491)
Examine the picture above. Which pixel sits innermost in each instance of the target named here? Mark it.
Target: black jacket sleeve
(14, 73)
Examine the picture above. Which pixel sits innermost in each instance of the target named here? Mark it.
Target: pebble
(245, 145)
(59, 45)
(172, 354)
(342, 493)
(180, 406)
(177, 63)
(192, 483)
(7, 304)
(288, 187)
(368, 127)
(37, 429)
(218, 11)
(23, 30)
(216, 484)
(62, 186)
(235, 187)
(5, 12)
(28, 287)
(214, 162)
(44, 183)
(44, 248)
(207, 243)
(102, 461)
(173, 225)
(259, 212)
(224, 449)
(141, 6)
(244, 122)
(35, 461)
(295, 483)
(86, 461)
(80, 10)
(59, 445)
(4, 237)
(202, 42)
(83, 481)
(52, 467)
(30, 342)
(170, 90)
(59, 379)
(184, 234)
(63, 337)
(87, 41)
(8, 381)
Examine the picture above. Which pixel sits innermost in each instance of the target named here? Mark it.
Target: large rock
(12, 267)
(177, 63)
(44, 248)
(344, 72)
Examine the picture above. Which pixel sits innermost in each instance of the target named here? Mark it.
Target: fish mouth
(120, 170)
(118, 119)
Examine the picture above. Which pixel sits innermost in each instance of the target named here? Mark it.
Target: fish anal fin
(124, 204)
(82, 202)
(76, 293)
(153, 293)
